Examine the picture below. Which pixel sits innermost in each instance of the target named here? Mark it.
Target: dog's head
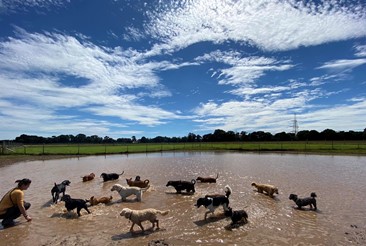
(137, 178)
(66, 198)
(66, 182)
(199, 178)
(116, 187)
(292, 197)
(228, 212)
(92, 175)
(170, 183)
(275, 190)
(126, 212)
(254, 184)
(103, 175)
(193, 181)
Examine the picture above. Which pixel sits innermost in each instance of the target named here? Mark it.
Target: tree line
(217, 136)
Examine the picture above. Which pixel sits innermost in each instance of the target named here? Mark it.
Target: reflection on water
(337, 180)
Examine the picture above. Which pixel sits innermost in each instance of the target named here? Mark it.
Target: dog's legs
(131, 229)
(207, 214)
(140, 225)
(315, 208)
(86, 208)
(78, 211)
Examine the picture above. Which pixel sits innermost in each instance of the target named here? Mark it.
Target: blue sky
(123, 68)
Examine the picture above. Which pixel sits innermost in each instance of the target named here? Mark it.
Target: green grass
(329, 147)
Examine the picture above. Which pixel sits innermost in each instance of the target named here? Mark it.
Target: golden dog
(139, 216)
(95, 201)
(88, 177)
(138, 183)
(269, 189)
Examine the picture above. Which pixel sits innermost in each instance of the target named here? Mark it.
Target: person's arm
(23, 211)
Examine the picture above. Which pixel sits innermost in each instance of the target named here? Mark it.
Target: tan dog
(207, 179)
(138, 183)
(88, 177)
(269, 189)
(95, 201)
(138, 216)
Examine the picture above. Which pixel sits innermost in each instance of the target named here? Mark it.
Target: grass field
(325, 147)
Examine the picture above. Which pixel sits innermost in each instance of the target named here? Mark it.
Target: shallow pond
(339, 182)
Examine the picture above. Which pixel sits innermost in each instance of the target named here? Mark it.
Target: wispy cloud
(342, 65)
(266, 24)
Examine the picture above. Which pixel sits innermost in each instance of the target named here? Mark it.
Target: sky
(123, 68)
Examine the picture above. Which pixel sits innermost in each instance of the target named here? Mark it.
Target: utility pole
(295, 126)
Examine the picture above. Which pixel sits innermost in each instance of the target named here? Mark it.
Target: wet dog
(95, 201)
(125, 192)
(88, 177)
(138, 182)
(207, 179)
(59, 188)
(71, 204)
(139, 216)
(237, 216)
(110, 176)
(212, 202)
(183, 185)
(269, 189)
(301, 202)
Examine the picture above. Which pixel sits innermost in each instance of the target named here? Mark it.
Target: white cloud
(343, 65)
(269, 25)
(360, 50)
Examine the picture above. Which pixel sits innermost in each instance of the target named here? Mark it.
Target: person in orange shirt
(12, 205)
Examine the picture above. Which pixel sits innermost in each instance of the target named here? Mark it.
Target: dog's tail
(146, 181)
(122, 172)
(313, 194)
(163, 212)
(217, 175)
(228, 191)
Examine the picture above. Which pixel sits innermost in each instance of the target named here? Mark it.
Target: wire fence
(95, 149)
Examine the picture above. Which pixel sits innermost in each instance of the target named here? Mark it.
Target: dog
(212, 202)
(59, 188)
(207, 179)
(139, 216)
(125, 192)
(71, 204)
(110, 176)
(138, 182)
(183, 185)
(88, 177)
(269, 189)
(95, 201)
(237, 216)
(300, 202)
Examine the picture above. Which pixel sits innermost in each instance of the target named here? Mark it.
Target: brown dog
(88, 177)
(207, 179)
(138, 183)
(95, 201)
(269, 189)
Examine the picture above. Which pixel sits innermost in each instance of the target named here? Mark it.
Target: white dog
(125, 192)
(138, 216)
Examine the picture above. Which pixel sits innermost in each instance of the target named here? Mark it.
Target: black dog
(214, 201)
(110, 176)
(237, 216)
(304, 201)
(59, 188)
(183, 185)
(71, 204)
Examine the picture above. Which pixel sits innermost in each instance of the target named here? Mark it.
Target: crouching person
(12, 205)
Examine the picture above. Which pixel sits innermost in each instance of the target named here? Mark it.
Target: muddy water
(339, 182)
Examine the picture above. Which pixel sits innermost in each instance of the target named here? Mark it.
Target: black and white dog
(110, 176)
(71, 204)
(59, 188)
(183, 185)
(237, 216)
(212, 202)
(300, 202)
